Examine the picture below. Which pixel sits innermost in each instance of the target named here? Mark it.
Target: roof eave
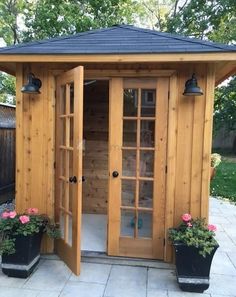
(129, 58)
(224, 70)
(226, 62)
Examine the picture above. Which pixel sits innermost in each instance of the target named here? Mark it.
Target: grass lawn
(224, 183)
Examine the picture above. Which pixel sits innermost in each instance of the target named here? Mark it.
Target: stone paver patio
(101, 279)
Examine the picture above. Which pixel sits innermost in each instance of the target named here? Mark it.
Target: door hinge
(166, 169)
(164, 241)
(54, 165)
(55, 94)
(168, 95)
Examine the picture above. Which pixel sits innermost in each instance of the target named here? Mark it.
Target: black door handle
(115, 173)
(73, 179)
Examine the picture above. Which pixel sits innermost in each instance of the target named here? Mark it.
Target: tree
(51, 18)
(225, 107)
(11, 12)
(153, 13)
(7, 88)
(10, 16)
(213, 19)
(27, 20)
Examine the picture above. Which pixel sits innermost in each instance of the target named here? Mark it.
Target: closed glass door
(141, 174)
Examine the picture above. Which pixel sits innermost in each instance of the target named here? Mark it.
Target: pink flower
(32, 210)
(5, 215)
(189, 224)
(12, 214)
(186, 217)
(212, 228)
(24, 219)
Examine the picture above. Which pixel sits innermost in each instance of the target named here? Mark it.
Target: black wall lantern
(192, 88)
(33, 85)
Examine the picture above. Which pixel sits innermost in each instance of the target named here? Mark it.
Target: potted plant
(215, 161)
(20, 239)
(195, 245)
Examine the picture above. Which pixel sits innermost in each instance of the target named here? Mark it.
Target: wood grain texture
(108, 73)
(115, 163)
(77, 167)
(188, 144)
(207, 140)
(159, 193)
(35, 146)
(69, 202)
(9, 68)
(171, 163)
(194, 127)
(133, 58)
(184, 148)
(197, 145)
(137, 165)
(223, 70)
(137, 248)
(19, 137)
(95, 154)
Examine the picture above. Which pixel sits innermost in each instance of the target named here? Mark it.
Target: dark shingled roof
(120, 39)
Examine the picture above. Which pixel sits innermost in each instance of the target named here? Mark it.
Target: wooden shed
(111, 141)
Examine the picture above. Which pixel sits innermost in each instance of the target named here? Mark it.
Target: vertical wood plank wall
(95, 155)
(188, 155)
(193, 147)
(190, 135)
(35, 145)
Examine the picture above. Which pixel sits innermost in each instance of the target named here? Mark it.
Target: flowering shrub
(196, 233)
(28, 223)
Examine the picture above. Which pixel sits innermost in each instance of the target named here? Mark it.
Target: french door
(69, 139)
(137, 166)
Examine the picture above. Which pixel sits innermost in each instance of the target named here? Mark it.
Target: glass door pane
(138, 149)
(66, 160)
(148, 108)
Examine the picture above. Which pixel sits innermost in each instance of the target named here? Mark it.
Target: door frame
(171, 134)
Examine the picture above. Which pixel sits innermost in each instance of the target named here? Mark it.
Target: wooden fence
(7, 158)
(7, 149)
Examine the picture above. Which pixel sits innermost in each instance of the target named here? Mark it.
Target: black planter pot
(192, 269)
(25, 259)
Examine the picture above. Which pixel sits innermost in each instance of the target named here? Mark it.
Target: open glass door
(69, 145)
(137, 167)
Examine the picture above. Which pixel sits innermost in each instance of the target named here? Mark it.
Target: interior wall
(95, 159)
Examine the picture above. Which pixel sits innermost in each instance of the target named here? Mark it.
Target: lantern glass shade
(33, 85)
(192, 88)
